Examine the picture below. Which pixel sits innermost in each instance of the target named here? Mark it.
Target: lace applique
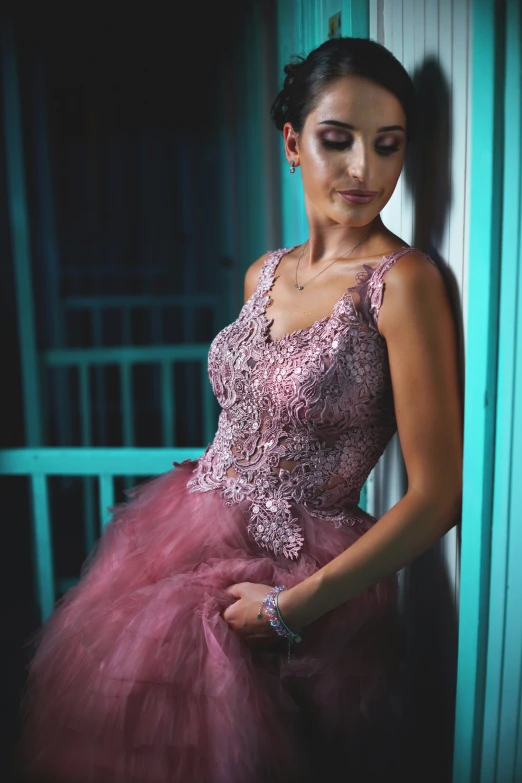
(304, 417)
(370, 283)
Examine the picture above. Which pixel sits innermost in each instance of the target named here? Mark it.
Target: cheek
(390, 171)
(317, 175)
(317, 163)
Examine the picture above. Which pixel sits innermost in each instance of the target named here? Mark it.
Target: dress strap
(376, 282)
(371, 282)
(266, 276)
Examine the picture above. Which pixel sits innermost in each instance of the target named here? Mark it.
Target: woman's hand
(241, 616)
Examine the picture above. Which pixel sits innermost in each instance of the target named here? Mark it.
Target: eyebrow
(352, 127)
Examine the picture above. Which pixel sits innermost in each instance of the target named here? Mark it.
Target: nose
(358, 164)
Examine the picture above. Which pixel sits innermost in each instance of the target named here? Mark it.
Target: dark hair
(337, 57)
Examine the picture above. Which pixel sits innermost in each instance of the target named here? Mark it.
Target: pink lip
(358, 196)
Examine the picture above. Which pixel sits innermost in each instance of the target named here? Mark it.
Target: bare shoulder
(416, 320)
(413, 282)
(252, 275)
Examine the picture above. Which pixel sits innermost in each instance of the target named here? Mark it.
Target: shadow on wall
(430, 610)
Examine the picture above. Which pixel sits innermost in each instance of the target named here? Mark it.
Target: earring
(292, 167)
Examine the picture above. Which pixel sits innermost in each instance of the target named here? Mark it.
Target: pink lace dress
(136, 677)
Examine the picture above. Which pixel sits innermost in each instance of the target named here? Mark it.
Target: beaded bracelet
(270, 602)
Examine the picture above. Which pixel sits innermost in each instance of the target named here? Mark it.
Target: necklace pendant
(299, 287)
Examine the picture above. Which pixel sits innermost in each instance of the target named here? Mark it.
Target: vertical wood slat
(85, 405)
(125, 359)
(42, 542)
(500, 532)
(227, 202)
(106, 495)
(392, 23)
(20, 233)
(458, 236)
(431, 28)
(49, 254)
(404, 38)
(208, 407)
(127, 411)
(359, 22)
(480, 395)
(418, 21)
(191, 249)
(126, 403)
(156, 321)
(375, 21)
(59, 397)
(126, 327)
(509, 462)
(90, 528)
(86, 440)
(290, 41)
(445, 45)
(516, 461)
(97, 322)
(88, 464)
(168, 404)
(503, 691)
(460, 141)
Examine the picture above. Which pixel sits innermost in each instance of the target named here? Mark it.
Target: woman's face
(354, 140)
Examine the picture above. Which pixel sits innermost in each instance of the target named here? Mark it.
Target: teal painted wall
(249, 204)
(303, 25)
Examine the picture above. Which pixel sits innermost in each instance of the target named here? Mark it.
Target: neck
(327, 243)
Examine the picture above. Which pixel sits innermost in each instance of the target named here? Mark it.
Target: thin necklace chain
(300, 287)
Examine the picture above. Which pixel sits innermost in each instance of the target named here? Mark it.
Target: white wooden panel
(392, 23)
(446, 65)
(431, 29)
(418, 31)
(458, 251)
(459, 87)
(376, 13)
(408, 60)
(415, 32)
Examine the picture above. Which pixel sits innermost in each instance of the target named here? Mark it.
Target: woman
(175, 658)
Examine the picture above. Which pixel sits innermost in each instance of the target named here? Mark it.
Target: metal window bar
(154, 309)
(94, 359)
(125, 358)
(97, 464)
(96, 306)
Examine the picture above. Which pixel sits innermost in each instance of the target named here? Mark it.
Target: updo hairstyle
(307, 76)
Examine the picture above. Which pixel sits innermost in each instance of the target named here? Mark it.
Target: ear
(291, 140)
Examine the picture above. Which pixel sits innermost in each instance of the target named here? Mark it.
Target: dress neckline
(274, 259)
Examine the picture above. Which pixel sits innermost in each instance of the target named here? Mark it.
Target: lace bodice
(305, 417)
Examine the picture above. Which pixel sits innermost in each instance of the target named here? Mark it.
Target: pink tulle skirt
(136, 678)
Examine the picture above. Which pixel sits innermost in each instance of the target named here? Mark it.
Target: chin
(356, 219)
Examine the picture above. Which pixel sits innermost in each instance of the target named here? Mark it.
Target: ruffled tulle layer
(137, 678)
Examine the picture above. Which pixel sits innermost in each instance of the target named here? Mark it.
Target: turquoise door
(488, 737)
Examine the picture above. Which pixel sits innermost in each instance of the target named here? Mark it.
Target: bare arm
(417, 323)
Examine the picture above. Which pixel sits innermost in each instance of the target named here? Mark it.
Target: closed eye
(336, 145)
(387, 150)
(342, 145)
